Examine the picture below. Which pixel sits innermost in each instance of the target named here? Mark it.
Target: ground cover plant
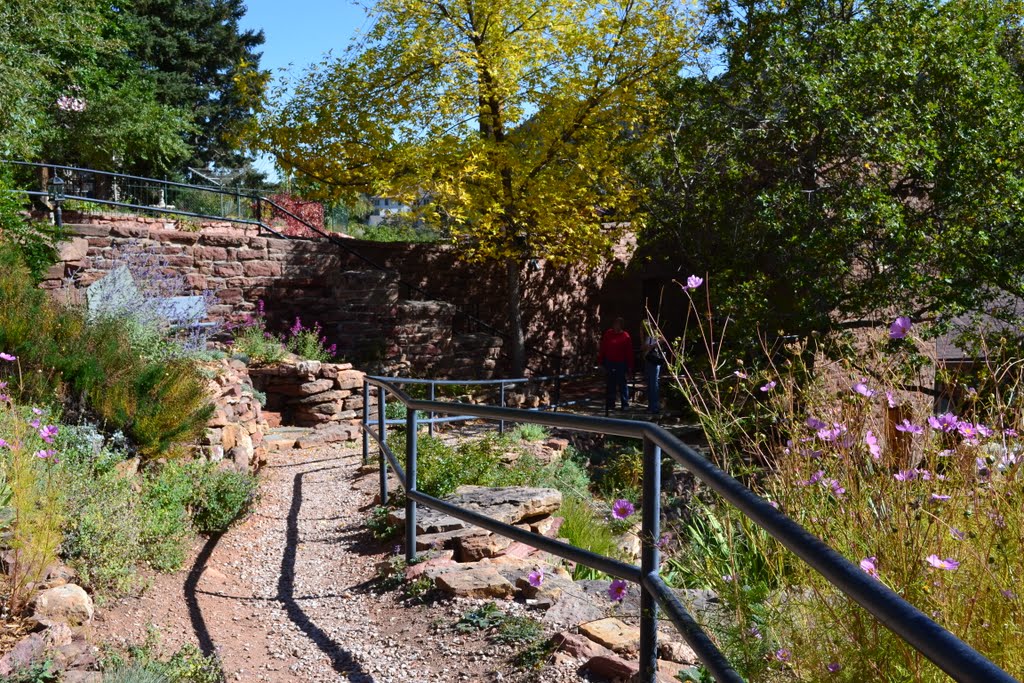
(926, 503)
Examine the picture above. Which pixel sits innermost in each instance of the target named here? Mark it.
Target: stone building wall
(376, 321)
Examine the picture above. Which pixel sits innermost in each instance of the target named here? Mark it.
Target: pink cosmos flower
(8, 357)
(34, 424)
(832, 433)
(946, 422)
(861, 388)
(37, 411)
(693, 282)
(740, 374)
(870, 565)
(873, 448)
(900, 327)
(45, 453)
(1009, 431)
(967, 430)
(905, 475)
(816, 424)
(617, 590)
(768, 387)
(983, 430)
(948, 564)
(536, 578)
(4, 398)
(890, 399)
(837, 490)
(908, 427)
(4, 444)
(47, 433)
(957, 534)
(621, 509)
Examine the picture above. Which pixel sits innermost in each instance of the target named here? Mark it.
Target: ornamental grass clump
(927, 504)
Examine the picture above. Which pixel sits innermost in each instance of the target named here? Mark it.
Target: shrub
(141, 665)
(35, 242)
(161, 406)
(220, 497)
(166, 526)
(529, 432)
(309, 342)
(258, 345)
(379, 526)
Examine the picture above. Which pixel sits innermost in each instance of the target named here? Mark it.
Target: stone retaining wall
(376, 321)
(235, 432)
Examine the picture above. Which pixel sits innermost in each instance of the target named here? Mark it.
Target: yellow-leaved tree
(508, 122)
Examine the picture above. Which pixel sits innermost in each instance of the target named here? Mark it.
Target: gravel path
(289, 594)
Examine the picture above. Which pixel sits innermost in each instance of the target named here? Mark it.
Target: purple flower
(663, 542)
(967, 430)
(862, 388)
(957, 534)
(900, 327)
(3, 385)
(536, 578)
(397, 550)
(831, 433)
(905, 475)
(4, 444)
(909, 428)
(834, 667)
(45, 453)
(621, 509)
(983, 430)
(37, 411)
(816, 424)
(693, 282)
(1008, 594)
(946, 422)
(949, 564)
(783, 655)
(740, 374)
(837, 490)
(4, 398)
(8, 357)
(870, 565)
(768, 387)
(890, 400)
(34, 424)
(617, 590)
(754, 632)
(1009, 431)
(939, 497)
(47, 433)
(815, 478)
(728, 578)
(873, 448)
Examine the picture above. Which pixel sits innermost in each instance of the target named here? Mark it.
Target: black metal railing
(136, 193)
(941, 647)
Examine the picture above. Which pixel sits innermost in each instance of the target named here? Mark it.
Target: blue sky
(300, 31)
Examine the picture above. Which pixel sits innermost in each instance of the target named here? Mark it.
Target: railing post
(430, 425)
(366, 422)
(501, 423)
(382, 427)
(558, 382)
(411, 437)
(650, 560)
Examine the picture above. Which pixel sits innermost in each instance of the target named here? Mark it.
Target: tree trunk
(515, 318)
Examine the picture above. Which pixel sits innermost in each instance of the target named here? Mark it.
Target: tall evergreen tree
(196, 52)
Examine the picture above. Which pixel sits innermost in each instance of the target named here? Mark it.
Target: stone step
(284, 438)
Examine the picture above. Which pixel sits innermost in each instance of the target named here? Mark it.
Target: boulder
(611, 667)
(473, 581)
(479, 546)
(317, 386)
(680, 653)
(508, 504)
(579, 646)
(25, 652)
(68, 603)
(613, 634)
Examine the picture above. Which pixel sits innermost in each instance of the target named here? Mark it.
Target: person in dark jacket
(616, 355)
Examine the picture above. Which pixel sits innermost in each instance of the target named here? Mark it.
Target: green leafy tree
(196, 53)
(507, 123)
(844, 159)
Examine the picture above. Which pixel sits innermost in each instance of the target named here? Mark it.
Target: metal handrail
(945, 650)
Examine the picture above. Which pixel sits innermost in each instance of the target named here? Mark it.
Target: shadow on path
(341, 660)
(195, 613)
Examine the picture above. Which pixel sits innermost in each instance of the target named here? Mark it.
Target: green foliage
(584, 527)
(511, 630)
(529, 432)
(256, 344)
(220, 497)
(141, 665)
(379, 526)
(394, 231)
(395, 410)
(160, 405)
(35, 241)
(417, 589)
(165, 524)
(872, 155)
(39, 672)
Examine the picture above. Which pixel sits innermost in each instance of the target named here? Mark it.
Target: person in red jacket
(616, 356)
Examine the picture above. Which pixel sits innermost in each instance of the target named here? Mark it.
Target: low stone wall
(305, 393)
(236, 431)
